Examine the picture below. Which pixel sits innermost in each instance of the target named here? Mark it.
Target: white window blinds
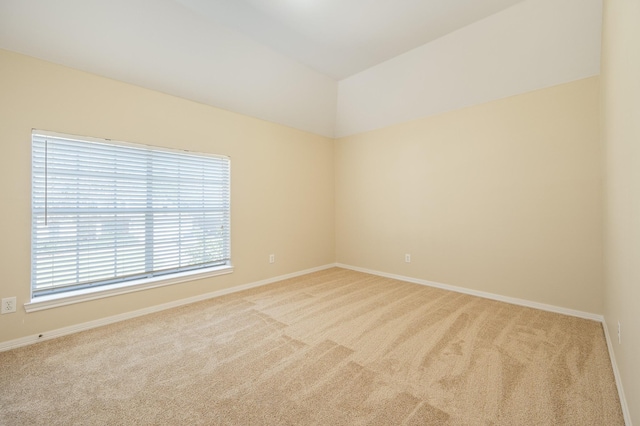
(106, 212)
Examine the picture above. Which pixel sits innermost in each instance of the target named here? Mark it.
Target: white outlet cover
(8, 305)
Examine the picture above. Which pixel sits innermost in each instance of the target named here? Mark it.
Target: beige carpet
(335, 347)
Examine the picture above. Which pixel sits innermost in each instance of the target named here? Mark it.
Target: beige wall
(503, 197)
(282, 180)
(621, 134)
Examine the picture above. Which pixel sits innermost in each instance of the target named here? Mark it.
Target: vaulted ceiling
(337, 38)
(280, 60)
(342, 37)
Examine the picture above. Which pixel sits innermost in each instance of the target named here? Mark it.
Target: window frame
(80, 294)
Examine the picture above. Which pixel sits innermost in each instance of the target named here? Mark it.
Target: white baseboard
(483, 294)
(616, 373)
(47, 335)
(23, 341)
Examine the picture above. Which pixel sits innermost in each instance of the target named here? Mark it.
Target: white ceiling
(337, 38)
(342, 37)
(277, 60)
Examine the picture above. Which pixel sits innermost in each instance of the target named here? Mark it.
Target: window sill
(78, 296)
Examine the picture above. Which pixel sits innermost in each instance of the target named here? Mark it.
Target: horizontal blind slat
(105, 212)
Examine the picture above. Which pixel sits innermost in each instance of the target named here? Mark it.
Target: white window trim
(70, 297)
(83, 295)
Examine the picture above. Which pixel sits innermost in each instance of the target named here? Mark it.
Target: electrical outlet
(272, 258)
(407, 258)
(619, 335)
(8, 305)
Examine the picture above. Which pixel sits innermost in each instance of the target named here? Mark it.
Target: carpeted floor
(335, 347)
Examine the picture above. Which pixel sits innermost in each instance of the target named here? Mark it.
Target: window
(106, 213)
